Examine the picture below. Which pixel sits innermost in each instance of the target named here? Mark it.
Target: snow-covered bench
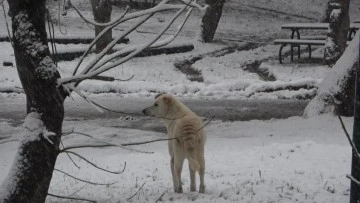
(297, 43)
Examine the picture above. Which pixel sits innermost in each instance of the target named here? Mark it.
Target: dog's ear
(167, 99)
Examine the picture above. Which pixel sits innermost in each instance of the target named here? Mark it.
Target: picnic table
(308, 40)
(295, 27)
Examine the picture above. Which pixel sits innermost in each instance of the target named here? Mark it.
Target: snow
(286, 160)
(289, 160)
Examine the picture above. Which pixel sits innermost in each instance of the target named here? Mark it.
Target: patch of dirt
(185, 66)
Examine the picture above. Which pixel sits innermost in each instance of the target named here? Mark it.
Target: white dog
(189, 138)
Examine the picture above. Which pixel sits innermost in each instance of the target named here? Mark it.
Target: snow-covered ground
(292, 160)
(289, 160)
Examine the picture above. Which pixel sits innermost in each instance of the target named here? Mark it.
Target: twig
(85, 181)
(110, 79)
(94, 165)
(99, 107)
(72, 194)
(72, 198)
(348, 137)
(353, 179)
(70, 156)
(114, 145)
(136, 192)
(159, 199)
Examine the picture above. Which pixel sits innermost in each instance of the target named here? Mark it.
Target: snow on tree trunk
(31, 172)
(326, 12)
(102, 14)
(337, 33)
(211, 19)
(337, 84)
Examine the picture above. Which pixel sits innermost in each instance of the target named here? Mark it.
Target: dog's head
(161, 106)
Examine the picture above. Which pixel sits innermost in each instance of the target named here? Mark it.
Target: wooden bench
(297, 43)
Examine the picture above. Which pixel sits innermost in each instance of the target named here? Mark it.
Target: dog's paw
(179, 189)
(202, 189)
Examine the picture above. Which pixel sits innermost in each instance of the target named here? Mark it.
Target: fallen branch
(159, 199)
(11, 90)
(94, 165)
(85, 181)
(135, 192)
(71, 198)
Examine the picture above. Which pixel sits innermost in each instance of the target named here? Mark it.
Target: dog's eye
(155, 104)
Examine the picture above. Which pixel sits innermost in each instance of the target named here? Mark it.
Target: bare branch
(94, 165)
(70, 156)
(96, 23)
(2, 1)
(136, 192)
(146, 13)
(348, 137)
(353, 179)
(194, 4)
(113, 145)
(138, 49)
(72, 198)
(85, 181)
(72, 194)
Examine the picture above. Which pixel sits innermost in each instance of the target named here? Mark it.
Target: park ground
(259, 147)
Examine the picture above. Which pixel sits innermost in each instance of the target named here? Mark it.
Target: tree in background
(339, 23)
(211, 19)
(102, 14)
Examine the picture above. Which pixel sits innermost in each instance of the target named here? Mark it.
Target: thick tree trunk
(339, 84)
(211, 19)
(326, 12)
(339, 23)
(102, 14)
(30, 175)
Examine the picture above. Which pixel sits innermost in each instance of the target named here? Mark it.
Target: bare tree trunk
(30, 175)
(102, 14)
(339, 23)
(211, 19)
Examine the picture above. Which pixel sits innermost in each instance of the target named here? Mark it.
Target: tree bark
(102, 14)
(339, 84)
(339, 23)
(211, 19)
(31, 173)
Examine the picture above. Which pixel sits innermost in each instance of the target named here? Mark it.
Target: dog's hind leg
(192, 179)
(178, 164)
(201, 160)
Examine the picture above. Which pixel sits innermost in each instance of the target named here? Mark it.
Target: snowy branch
(94, 69)
(94, 165)
(85, 181)
(71, 198)
(9, 140)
